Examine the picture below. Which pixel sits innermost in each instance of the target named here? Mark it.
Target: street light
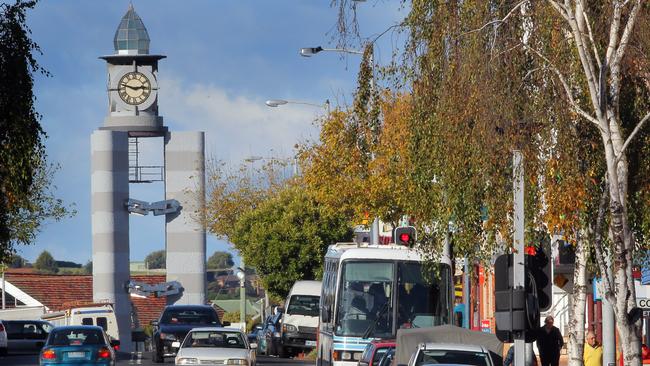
(241, 274)
(310, 51)
(274, 103)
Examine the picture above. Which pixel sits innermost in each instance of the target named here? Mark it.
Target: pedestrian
(549, 343)
(593, 353)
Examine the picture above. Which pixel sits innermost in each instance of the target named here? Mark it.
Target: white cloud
(236, 125)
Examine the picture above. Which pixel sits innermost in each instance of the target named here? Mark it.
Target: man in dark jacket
(549, 343)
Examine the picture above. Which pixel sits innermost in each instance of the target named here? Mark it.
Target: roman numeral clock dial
(134, 88)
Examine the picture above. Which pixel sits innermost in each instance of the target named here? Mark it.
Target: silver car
(450, 354)
(215, 346)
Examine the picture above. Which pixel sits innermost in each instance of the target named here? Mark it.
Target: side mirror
(177, 344)
(253, 345)
(225, 324)
(154, 323)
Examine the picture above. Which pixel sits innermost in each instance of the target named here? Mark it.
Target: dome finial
(131, 37)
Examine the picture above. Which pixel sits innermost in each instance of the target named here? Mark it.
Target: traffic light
(516, 309)
(538, 263)
(405, 235)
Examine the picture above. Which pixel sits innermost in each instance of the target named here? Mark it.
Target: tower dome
(131, 37)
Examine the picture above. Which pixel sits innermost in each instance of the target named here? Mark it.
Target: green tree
(45, 263)
(156, 260)
(220, 260)
(17, 261)
(26, 198)
(88, 267)
(285, 238)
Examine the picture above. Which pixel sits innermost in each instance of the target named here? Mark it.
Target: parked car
(252, 336)
(215, 346)
(451, 353)
(78, 344)
(26, 336)
(268, 339)
(374, 352)
(300, 319)
(174, 324)
(3, 339)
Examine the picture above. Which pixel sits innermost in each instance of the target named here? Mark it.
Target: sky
(224, 60)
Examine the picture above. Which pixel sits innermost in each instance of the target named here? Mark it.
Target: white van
(99, 314)
(300, 318)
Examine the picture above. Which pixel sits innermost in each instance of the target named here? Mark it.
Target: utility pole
(518, 270)
(242, 294)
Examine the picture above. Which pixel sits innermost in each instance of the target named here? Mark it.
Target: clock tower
(132, 89)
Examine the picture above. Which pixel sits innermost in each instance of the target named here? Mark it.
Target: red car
(375, 350)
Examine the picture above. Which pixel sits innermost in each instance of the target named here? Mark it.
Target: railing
(146, 174)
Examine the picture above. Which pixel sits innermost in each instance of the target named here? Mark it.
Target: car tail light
(48, 354)
(104, 353)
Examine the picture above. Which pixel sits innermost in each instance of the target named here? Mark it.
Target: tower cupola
(131, 37)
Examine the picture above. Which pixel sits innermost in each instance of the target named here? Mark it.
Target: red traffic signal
(405, 235)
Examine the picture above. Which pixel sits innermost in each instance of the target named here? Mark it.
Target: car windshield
(76, 337)
(303, 305)
(214, 339)
(452, 357)
(194, 316)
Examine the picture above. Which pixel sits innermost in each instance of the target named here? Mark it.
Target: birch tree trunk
(577, 323)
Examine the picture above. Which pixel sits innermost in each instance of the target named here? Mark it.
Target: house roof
(54, 291)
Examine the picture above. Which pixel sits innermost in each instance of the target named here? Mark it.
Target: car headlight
(289, 328)
(236, 361)
(167, 336)
(187, 361)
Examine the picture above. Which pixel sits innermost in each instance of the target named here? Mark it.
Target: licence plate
(310, 343)
(76, 354)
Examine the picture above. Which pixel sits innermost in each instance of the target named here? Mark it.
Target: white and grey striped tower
(133, 113)
(185, 182)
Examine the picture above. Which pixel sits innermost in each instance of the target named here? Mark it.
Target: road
(145, 359)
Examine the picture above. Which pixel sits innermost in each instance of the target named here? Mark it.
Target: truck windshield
(195, 316)
(376, 298)
(303, 305)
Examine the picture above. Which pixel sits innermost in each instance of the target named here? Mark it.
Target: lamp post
(310, 51)
(241, 274)
(274, 103)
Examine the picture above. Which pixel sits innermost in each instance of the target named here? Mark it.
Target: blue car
(78, 345)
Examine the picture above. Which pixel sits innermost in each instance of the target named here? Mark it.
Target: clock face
(134, 88)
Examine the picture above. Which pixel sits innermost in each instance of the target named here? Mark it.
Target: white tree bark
(577, 322)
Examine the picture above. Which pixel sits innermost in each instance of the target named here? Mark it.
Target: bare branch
(629, 26)
(560, 9)
(497, 21)
(598, 241)
(613, 33)
(567, 89)
(631, 137)
(592, 40)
